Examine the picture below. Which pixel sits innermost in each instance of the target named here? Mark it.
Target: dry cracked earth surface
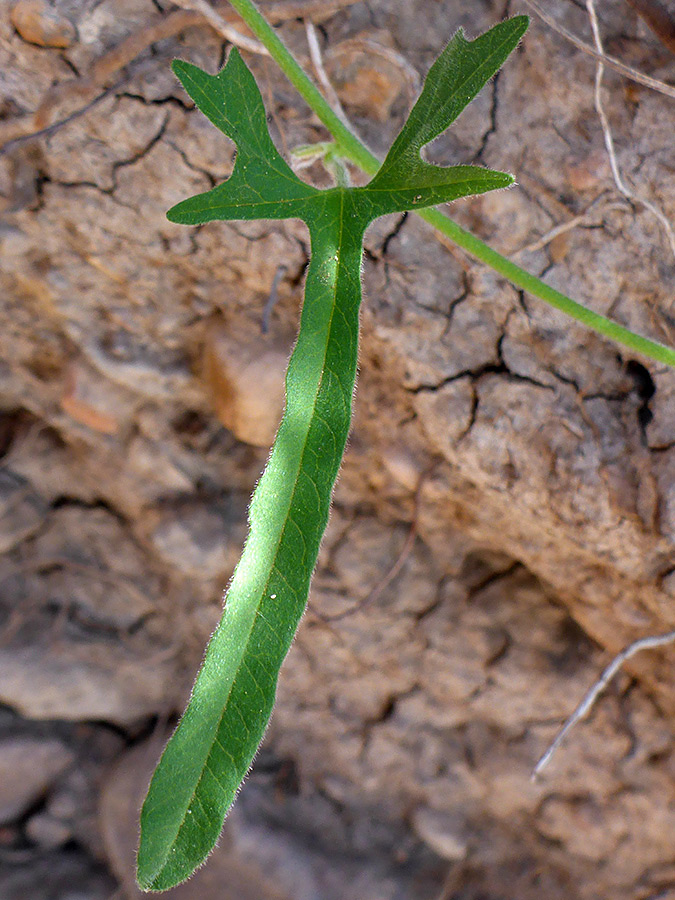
(505, 517)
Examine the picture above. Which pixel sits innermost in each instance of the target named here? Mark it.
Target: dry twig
(218, 23)
(585, 218)
(610, 61)
(582, 710)
(621, 185)
(317, 63)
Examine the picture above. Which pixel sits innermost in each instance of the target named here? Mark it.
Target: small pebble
(40, 24)
(47, 831)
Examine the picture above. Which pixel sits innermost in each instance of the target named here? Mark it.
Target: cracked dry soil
(512, 470)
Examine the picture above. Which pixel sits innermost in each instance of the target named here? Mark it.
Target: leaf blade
(262, 184)
(214, 744)
(459, 73)
(435, 185)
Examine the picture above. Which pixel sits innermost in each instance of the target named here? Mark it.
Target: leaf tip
(177, 868)
(144, 878)
(145, 872)
(177, 65)
(521, 22)
(174, 215)
(182, 69)
(151, 877)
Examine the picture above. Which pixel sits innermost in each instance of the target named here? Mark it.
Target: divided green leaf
(212, 748)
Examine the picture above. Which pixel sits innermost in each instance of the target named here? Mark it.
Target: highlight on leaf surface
(213, 746)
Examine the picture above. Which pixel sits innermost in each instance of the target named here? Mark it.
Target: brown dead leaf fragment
(660, 18)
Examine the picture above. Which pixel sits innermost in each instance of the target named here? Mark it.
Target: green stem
(528, 282)
(352, 148)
